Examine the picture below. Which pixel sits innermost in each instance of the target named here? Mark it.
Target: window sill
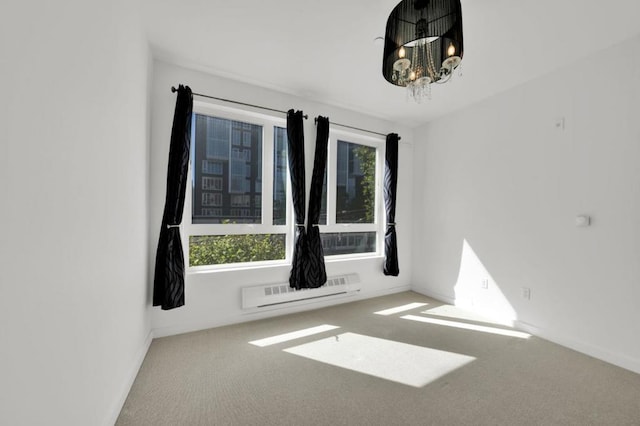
(351, 257)
(236, 267)
(280, 264)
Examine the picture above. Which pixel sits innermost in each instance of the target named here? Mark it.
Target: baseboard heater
(278, 294)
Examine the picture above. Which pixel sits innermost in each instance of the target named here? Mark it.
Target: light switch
(583, 221)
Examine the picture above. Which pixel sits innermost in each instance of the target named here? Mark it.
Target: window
(239, 202)
(211, 212)
(211, 199)
(212, 167)
(239, 212)
(211, 183)
(216, 137)
(350, 221)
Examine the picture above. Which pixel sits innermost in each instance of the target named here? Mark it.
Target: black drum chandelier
(422, 45)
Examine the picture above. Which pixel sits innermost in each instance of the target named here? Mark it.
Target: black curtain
(168, 283)
(390, 186)
(295, 136)
(315, 272)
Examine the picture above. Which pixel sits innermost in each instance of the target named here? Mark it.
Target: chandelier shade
(423, 44)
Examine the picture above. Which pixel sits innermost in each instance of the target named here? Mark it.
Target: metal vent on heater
(336, 281)
(277, 289)
(277, 294)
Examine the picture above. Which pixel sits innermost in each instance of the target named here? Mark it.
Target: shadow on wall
(476, 289)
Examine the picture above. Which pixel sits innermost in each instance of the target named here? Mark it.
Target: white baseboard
(451, 300)
(620, 360)
(131, 377)
(294, 307)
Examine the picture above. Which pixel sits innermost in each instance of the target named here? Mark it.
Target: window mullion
(187, 218)
(332, 165)
(290, 214)
(380, 217)
(267, 174)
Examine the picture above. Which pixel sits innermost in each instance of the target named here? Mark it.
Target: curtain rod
(173, 89)
(356, 128)
(331, 123)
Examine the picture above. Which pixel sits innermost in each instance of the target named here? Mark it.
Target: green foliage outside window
(367, 158)
(222, 249)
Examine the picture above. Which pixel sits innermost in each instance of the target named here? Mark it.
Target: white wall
(73, 245)
(214, 299)
(502, 177)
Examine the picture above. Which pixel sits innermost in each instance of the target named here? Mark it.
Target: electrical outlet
(526, 293)
(484, 284)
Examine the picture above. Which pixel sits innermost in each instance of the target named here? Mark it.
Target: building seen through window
(227, 171)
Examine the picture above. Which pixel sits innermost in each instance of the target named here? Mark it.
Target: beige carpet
(376, 370)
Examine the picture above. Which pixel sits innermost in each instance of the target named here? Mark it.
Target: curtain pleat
(295, 137)
(390, 186)
(315, 272)
(168, 283)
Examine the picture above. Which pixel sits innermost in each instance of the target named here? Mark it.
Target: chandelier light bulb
(412, 76)
(451, 50)
(401, 52)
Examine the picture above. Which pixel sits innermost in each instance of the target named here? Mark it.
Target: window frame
(378, 143)
(268, 124)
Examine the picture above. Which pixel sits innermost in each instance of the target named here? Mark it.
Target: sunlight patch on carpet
(402, 308)
(399, 362)
(466, 326)
(464, 314)
(286, 337)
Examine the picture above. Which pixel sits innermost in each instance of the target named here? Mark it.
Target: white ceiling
(324, 50)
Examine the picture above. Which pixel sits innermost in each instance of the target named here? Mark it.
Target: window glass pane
(232, 151)
(279, 176)
(348, 243)
(355, 183)
(223, 249)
